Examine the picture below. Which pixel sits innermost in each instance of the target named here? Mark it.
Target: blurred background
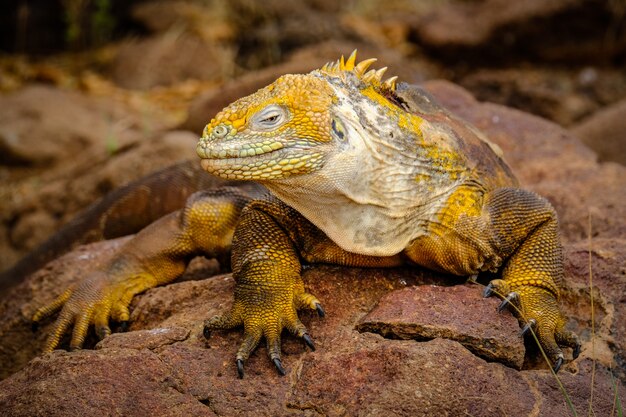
(96, 93)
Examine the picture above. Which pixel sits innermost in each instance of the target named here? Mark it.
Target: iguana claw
(240, 368)
(558, 363)
(511, 298)
(531, 324)
(488, 291)
(320, 310)
(308, 341)
(536, 309)
(279, 366)
(102, 331)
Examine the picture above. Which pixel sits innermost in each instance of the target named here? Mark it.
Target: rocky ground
(404, 342)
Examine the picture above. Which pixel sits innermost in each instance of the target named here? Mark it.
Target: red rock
(604, 132)
(167, 58)
(457, 313)
(144, 339)
(500, 31)
(102, 382)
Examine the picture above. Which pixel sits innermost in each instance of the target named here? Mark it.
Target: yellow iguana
(360, 172)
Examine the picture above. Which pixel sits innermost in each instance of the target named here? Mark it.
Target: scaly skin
(363, 172)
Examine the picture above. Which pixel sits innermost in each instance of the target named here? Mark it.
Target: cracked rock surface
(459, 357)
(458, 313)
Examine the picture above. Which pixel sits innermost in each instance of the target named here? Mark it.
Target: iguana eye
(220, 131)
(337, 129)
(269, 118)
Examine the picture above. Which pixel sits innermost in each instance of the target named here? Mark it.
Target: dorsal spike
(362, 66)
(369, 76)
(351, 61)
(380, 73)
(390, 83)
(372, 77)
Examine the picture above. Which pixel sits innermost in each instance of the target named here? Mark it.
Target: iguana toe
(569, 339)
(537, 311)
(265, 316)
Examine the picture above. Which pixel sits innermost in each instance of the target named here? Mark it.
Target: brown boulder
(42, 125)
(604, 132)
(167, 58)
(457, 313)
(607, 258)
(498, 30)
(564, 96)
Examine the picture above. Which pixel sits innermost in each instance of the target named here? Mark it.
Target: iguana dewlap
(362, 172)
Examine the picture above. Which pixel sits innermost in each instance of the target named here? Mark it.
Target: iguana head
(291, 127)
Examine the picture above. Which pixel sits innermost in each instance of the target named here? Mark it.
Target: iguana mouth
(258, 161)
(238, 151)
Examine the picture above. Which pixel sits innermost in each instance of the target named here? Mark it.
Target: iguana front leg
(525, 229)
(512, 231)
(269, 243)
(269, 288)
(155, 256)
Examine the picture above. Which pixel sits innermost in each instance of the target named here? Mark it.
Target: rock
(456, 313)
(41, 127)
(87, 155)
(438, 377)
(168, 58)
(18, 342)
(154, 152)
(192, 17)
(607, 265)
(496, 31)
(36, 128)
(145, 339)
(145, 379)
(175, 370)
(267, 31)
(563, 96)
(604, 132)
(32, 228)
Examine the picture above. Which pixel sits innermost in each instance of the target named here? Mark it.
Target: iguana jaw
(259, 160)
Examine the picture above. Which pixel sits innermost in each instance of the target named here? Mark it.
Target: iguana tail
(123, 211)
